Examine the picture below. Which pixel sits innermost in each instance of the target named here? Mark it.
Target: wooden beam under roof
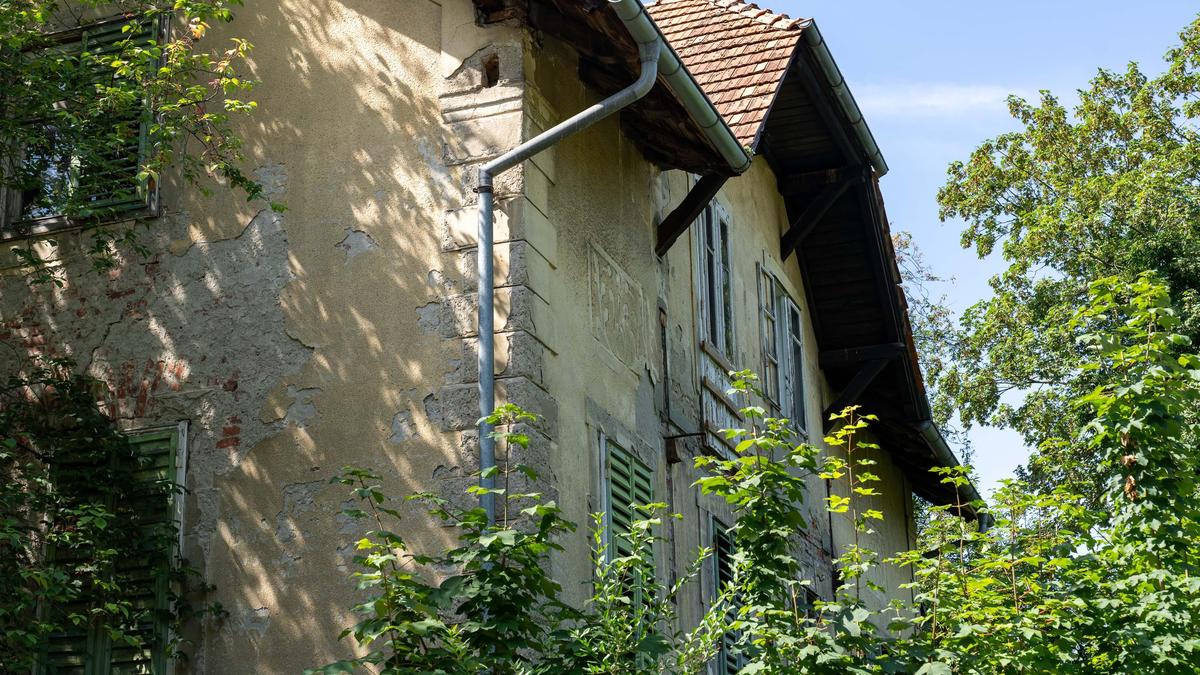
(854, 389)
(681, 218)
(814, 211)
(840, 358)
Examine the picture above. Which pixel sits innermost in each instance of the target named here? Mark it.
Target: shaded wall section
(334, 333)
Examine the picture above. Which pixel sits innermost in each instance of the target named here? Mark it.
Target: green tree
(1109, 186)
(1060, 586)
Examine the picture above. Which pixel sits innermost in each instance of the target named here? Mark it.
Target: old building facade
(343, 331)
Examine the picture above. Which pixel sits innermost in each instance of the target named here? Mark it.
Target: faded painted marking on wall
(618, 308)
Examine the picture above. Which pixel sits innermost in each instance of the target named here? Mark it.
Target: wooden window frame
(798, 411)
(781, 327)
(14, 226)
(717, 325)
(768, 312)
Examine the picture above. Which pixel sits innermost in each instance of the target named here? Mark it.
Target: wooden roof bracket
(851, 356)
(857, 385)
(812, 214)
(681, 218)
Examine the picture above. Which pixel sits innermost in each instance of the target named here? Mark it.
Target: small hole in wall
(491, 70)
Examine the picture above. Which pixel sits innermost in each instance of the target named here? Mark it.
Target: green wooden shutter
(144, 575)
(729, 660)
(107, 181)
(630, 485)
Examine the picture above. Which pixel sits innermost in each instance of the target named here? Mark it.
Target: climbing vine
(98, 98)
(87, 533)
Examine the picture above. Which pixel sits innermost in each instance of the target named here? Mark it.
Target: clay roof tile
(737, 51)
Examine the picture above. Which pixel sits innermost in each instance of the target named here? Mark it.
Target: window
(782, 333)
(144, 576)
(810, 603)
(629, 482)
(716, 282)
(768, 303)
(729, 659)
(794, 389)
(70, 168)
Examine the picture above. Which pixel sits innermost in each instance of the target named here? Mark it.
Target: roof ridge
(751, 10)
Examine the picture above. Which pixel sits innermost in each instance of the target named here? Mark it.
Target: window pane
(796, 332)
(46, 175)
(726, 293)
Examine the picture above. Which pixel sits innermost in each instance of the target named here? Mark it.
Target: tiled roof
(737, 52)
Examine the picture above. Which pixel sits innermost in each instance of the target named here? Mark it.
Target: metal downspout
(649, 52)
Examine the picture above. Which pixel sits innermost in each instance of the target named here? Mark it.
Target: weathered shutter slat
(630, 482)
(87, 650)
(108, 182)
(730, 660)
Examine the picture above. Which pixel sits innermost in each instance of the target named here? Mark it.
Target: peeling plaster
(402, 427)
(302, 408)
(256, 620)
(430, 318)
(298, 499)
(356, 243)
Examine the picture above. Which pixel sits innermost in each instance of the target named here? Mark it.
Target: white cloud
(932, 99)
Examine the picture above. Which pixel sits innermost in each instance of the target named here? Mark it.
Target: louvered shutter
(107, 181)
(729, 660)
(87, 650)
(630, 483)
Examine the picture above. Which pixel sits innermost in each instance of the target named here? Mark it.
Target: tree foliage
(1108, 186)
(73, 542)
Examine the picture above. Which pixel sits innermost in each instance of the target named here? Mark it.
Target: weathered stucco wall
(334, 333)
(343, 332)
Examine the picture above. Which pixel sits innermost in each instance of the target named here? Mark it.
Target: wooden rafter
(681, 218)
(812, 214)
(855, 388)
(840, 358)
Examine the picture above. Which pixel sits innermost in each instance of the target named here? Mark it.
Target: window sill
(39, 227)
(717, 356)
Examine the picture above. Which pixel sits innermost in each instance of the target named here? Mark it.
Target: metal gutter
(845, 99)
(945, 456)
(649, 53)
(684, 87)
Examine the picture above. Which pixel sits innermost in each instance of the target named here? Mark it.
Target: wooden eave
(657, 124)
(851, 277)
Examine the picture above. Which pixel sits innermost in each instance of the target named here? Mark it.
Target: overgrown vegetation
(1056, 585)
(90, 121)
(87, 534)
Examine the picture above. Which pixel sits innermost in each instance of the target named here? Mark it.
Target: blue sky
(932, 77)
